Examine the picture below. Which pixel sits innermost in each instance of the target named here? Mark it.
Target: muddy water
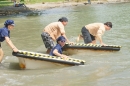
(102, 68)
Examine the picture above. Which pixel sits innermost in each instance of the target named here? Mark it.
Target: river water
(102, 68)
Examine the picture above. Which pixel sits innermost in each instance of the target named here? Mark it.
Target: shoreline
(38, 7)
(48, 5)
(35, 8)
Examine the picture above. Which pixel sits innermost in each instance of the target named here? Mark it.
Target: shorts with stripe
(47, 40)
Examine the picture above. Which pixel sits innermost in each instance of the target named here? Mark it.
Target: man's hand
(15, 50)
(71, 43)
(64, 57)
(103, 44)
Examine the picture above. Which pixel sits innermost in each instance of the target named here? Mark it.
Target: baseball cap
(9, 22)
(61, 38)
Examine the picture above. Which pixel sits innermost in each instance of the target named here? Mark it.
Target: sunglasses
(62, 41)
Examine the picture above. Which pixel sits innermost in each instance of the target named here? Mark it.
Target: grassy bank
(5, 3)
(40, 1)
(10, 3)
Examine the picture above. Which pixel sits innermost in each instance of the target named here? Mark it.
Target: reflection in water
(101, 68)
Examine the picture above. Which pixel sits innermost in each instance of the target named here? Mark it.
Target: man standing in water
(5, 35)
(94, 31)
(52, 31)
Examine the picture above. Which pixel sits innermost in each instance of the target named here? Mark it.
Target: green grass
(5, 3)
(9, 3)
(40, 1)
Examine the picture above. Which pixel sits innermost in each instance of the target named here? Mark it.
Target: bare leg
(1, 54)
(94, 42)
(79, 38)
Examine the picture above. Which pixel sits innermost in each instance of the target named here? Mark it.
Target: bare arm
(9, 42)
(100, 33)
(66, 38)
(58, 54)
(100, 40)
(63, 33)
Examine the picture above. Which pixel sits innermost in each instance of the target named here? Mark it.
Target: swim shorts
(88, 38)
(47, 40)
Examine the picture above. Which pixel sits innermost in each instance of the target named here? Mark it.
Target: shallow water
(102, 68)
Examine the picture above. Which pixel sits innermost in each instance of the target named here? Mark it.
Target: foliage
(40, 1)
(5, 3)
(10, 2)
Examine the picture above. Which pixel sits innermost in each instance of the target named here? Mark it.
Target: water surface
(102, 68)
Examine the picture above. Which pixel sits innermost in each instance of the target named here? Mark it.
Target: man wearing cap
(5, 35)
(94, 31)
(52, 31)
(57, 50)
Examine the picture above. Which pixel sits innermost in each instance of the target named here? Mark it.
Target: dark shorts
(88, 38)
(47, 40)
(0, 45)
